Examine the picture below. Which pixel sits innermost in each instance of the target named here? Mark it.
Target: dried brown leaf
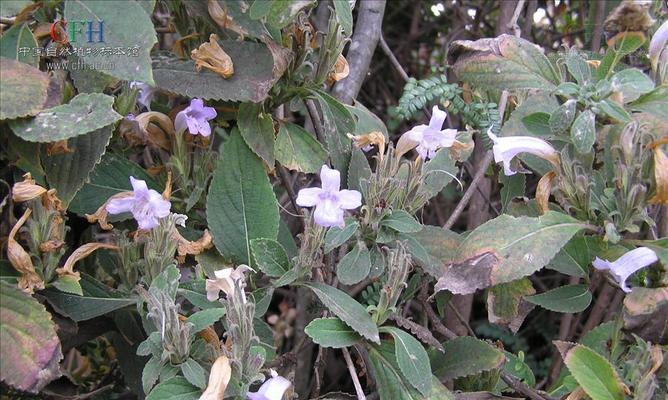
(211, 56)
(26, 189)
(543, 191)
(81, 253)
(221, 372)
(20, 259)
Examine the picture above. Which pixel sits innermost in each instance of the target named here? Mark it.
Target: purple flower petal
(119, 206)
(308, 197)
(349, 199)
(438, 117)
(330, 178)
(328, 214)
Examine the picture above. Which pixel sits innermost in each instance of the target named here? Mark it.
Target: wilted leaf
(593, 372)
(646, 313)
(298, 150)
(240, 205)
(565, 299)
(125, 25)
(505, 62)
(83, 114)
(331, 332)
(505, 249)
(28, 342)
(254, 76)
(506, 305)
(23, 87)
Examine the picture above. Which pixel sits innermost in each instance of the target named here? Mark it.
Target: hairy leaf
(257, 129)
(28, 342)
(176, 388)
(464, 356)
(17, 37)
(241, 205)
(331, 332)
(355, 265)
(270, 257)
(83, 114)
(298, 150)
(412, 359)
(24, 89)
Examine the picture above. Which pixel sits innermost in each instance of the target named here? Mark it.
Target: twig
(524, 389)
(436, 321)
(285, 179)
(353, 375)
(393, 59)
(512, 24)
(461, 319)
(360, 52)
(315, 119)
(470, 191)
(599, 16)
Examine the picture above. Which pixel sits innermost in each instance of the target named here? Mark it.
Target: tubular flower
(272, 389)
(146, 205)
(429, 138)
(506, 148)
(195, 118)
(225, 281)
(657, 46)
(328, 200)
(211, 56)
(626, 265)
(146, 93)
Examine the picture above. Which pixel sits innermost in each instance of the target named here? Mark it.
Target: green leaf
(401, 221)
(505, 249)
(355, 265)
(98, 299)
(577, 66)
(337, 122)
(270, 257)
(346, 308)
(16, 37)
(505, 62)
(614, 110)
(167, 282)
(583, 131)
(336, 236)
(390, 382)
(83, 114)
(654, 102)
(68, 284)
(151, 373)
(464, 356)
(11, 8)
(513, 186)
(516, 366)
(28, 342)
(538, 124)
(257, 129)
(344, 15)
(628, 43)
(562, 118)
(241, 205)
(565, 299)
(253, 74)
(205, 318)
(69, 171)
(632, 82)
(87, 80)
(282, 12)
(176, 388)
(24, 89)
(574, 258)
(506, 305)
(358, 169)
(298, 150)
(439, 247)
(592, 371)
(262, 298)
(259, 9)
(111, 176)
(365, 120)
(194, 373)
(438, 172)
(412, 359)
(126, 24)
(331, 332)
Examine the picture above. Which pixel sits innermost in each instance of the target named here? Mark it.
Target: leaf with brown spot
(506, 305)
(505, 249)
(646, 313)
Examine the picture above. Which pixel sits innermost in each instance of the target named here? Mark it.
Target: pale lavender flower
(146, 93)
(328, 200)
(195, 118)
(272, 389)
(506, 148)
(146, 205)
(226, 279)
(627, 265)
(430, 138)
(657, 45)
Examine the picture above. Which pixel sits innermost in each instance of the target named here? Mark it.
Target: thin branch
(479, 175)
(285, 179)
(436, 321)
(512, 24)
(393, 59)
(353, 375)
(315, 119)
(522, 388)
